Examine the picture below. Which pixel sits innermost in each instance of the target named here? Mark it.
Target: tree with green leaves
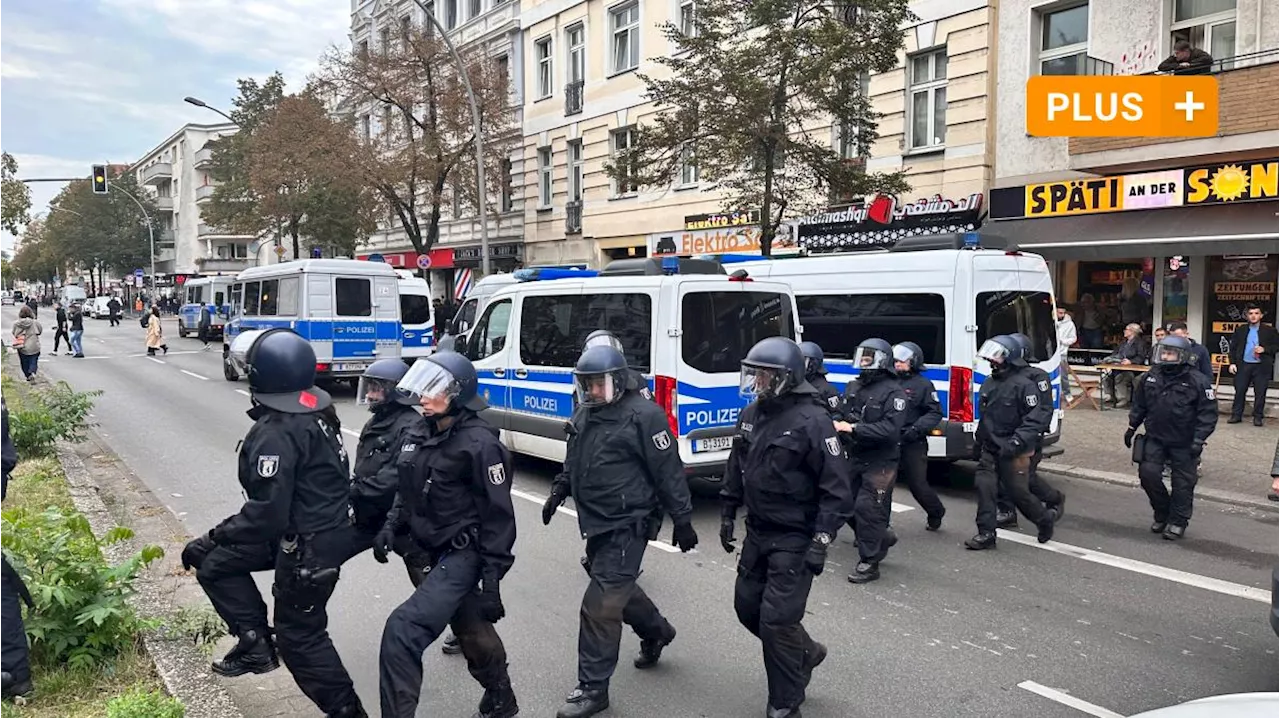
(748, 97)
(100, 233)
(233, 207)
(34, 259)
(15, 197)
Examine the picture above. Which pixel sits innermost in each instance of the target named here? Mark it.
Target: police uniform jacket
(455, 490)
(923, 413)
(623, 466)
(1177, 407)
(788, 467)
(1011, 410)
(294, 473)
(376, 476)
(828, 395)
(1045, 386)
(638, 384)
(876, 405)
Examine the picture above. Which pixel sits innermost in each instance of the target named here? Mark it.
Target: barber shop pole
(461, 284)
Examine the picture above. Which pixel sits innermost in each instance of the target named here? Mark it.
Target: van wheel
(182, 330)
(228, 371)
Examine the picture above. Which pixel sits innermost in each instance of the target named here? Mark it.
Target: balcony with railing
(164, 203)
(156, 173)
(573, 97)
(164, 239)
(222, 264)
(204, 193)
(203, 158)
(573, 217)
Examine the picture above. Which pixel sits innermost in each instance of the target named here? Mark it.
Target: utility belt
(304, 583)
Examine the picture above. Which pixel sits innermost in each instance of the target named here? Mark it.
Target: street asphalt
(1108, 617)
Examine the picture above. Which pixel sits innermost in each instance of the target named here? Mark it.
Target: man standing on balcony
(1187, 60)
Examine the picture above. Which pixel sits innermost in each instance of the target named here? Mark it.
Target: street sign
(139, 273)
(424, 261)
(377, 258)
(279, 251)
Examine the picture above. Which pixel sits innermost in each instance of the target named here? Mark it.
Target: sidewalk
(1237, 458)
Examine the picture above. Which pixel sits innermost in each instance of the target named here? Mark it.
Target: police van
(348, 309)
(474, 301)
(948, 293)
(417, 318)
(213, 291)
(686, 325)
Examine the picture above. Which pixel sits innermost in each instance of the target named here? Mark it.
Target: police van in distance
(686, 325)
(948, 293)
(349, 310)
(417, 317)
(213, 291)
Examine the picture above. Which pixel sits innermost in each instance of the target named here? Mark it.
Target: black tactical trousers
(14, 654)
(446, 596)
(1171, 507)
(1012, 473)
(913, 470)
(1042, 489)
(613, 598)
(302, 621)
(769, 597)
(226, 575)
(872, 507)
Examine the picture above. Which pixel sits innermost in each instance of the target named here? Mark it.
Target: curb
(1205, 494)
(181, 667)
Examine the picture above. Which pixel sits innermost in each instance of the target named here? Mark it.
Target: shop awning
(1190, 231)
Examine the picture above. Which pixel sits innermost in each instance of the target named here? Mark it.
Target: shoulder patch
(1032, 399)
(833, 401)
(1043, 385)
(662, 440)
(497, 474)
(746, 426)
(899, 404)
(934, 395)
(833, 445)
(644, 392)
(1208, 394)
(409, 447)
(268, 465)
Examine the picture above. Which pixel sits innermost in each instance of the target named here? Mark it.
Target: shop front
(735, 232)
(883, 221)
(1194, 244)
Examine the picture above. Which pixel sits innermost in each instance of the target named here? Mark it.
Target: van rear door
(416, 320)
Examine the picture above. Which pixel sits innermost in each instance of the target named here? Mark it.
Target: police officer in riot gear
(1006, 516)
(454, 497)
(623, 470)
(923, 414)
(1178, 408)
(1012, 419)
(875, 412)
(816, 374)
(635, 380)
(295, 475)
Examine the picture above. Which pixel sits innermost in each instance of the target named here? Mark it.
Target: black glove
(490, 604)
(1197, 448)
(194, 553)
(726, 533)
(910, 435)
(382, 543)
(816, 559)
(559, 492)
(1011, 447)
(684, 537)
(1128, 437)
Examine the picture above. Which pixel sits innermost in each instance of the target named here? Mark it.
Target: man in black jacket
(61, 334)
(622, 467)
(1253, 363)
(1187, 60)
(815, 372)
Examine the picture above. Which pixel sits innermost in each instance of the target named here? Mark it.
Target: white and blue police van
(213, 291)
(349, 310)
(948, 293)
(417, 317)
(684, 324)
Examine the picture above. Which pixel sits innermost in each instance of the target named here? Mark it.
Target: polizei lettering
(711, 417)
(542, 403)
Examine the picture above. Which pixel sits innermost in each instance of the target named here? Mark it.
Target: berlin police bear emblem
(497, 474)
(833, 445)
(268, 465)
(899, 404)
(662, 440)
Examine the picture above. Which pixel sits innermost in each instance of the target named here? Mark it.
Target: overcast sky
(91, 81)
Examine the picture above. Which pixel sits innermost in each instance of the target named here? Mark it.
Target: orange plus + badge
(1122, 106)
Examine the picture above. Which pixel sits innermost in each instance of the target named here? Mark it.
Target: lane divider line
(349, 432)
(191, 373)
(1147, 569)
(242, 391)
(158, 361)
(540, 500)
(1070, 701)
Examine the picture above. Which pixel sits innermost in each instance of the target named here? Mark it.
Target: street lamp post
(151, 231)
(201, 103)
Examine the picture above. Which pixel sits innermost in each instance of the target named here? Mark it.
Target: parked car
(7, 300)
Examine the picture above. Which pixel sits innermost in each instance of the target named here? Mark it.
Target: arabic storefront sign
(884, 221)
(732, 240)
(1234, 283)
(748, 218)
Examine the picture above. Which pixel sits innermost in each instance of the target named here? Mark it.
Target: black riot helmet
(281, 367)
(911, 354)
(381, 378)
(873, 357)
(773, 367)
(447, 375)
(813, 358)
(1172, 353)
(1003, 352)
(602, 338)
(600, 376)
(1024, 343)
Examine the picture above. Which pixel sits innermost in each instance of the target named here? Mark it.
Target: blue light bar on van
(538, 274)
(736, 258)
(972, 240)
(670, 265)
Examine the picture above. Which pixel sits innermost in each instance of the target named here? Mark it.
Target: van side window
(490, 335)
(270, 298)
(237, 292)
(719, 328)
(287, 302)
(415, 309)
(1030, 313)
(840, 322)
(352, 297)
(219, 299)
(252, 295)
(554, 328)
(466, 315)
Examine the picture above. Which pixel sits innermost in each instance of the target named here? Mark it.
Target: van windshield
(1030, 313)
(840, 322)
(719, 328)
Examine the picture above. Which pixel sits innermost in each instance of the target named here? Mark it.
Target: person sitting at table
(1133, 351)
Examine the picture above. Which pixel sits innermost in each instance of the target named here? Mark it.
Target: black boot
(14, 688)
(498, 702)
(584, 702)
(782, 712)
(1044, 531)
(255, 653)
(1173, 532)
(1058, 508)
(934, 522)
(651, 651)
(350, 710)
(1007, 519)
(451, 647)
(812, 659)
(1158, 526)
(982, 540)
(889, 541)
(865, 572)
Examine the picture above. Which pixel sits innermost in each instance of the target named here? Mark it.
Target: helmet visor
(373, 392)
(603, 340)
(426, 379)
(993, 351)
(597, 389)
(870, 358)
(903, 353)
(760, 382)
(1169, 355)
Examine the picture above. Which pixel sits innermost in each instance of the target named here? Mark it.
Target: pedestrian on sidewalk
(203, 324)
(1177, 405)
(15, 661)
(26, 339)
(113, 311)
(75, 318)
(1067, 338)
(60, 334)
(1253, 361)
(155, 333)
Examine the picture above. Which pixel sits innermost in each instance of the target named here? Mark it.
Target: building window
(688, 165)
(624, 23)
(544, 176)
(688, 8)
(1064, 41)
(386, 121)
(575, 170)
(473, 9)
(1209, 25)
(927, 99)
(450, 14)
(362, 50)
(505, 199)
(502, 65)
(455, 202)
(429, 27)
(384, 40)
(576, 39)
(542, 52)
(365, 127)
(621, 140)
(847, 133)
(406, 31)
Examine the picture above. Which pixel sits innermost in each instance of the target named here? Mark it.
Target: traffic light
(99, 179)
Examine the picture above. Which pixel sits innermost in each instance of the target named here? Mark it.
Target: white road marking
(898, 508)
(349, 432)
(1149, 569)
(540, 500)
(242, 391)
(158, 361)
(191, 373)
(1067, 700)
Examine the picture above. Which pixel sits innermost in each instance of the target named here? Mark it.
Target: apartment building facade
(1138, 230)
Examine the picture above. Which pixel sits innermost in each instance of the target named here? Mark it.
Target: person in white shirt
(1066, 338)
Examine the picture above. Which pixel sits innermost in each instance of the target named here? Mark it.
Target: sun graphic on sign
(1229, 182)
